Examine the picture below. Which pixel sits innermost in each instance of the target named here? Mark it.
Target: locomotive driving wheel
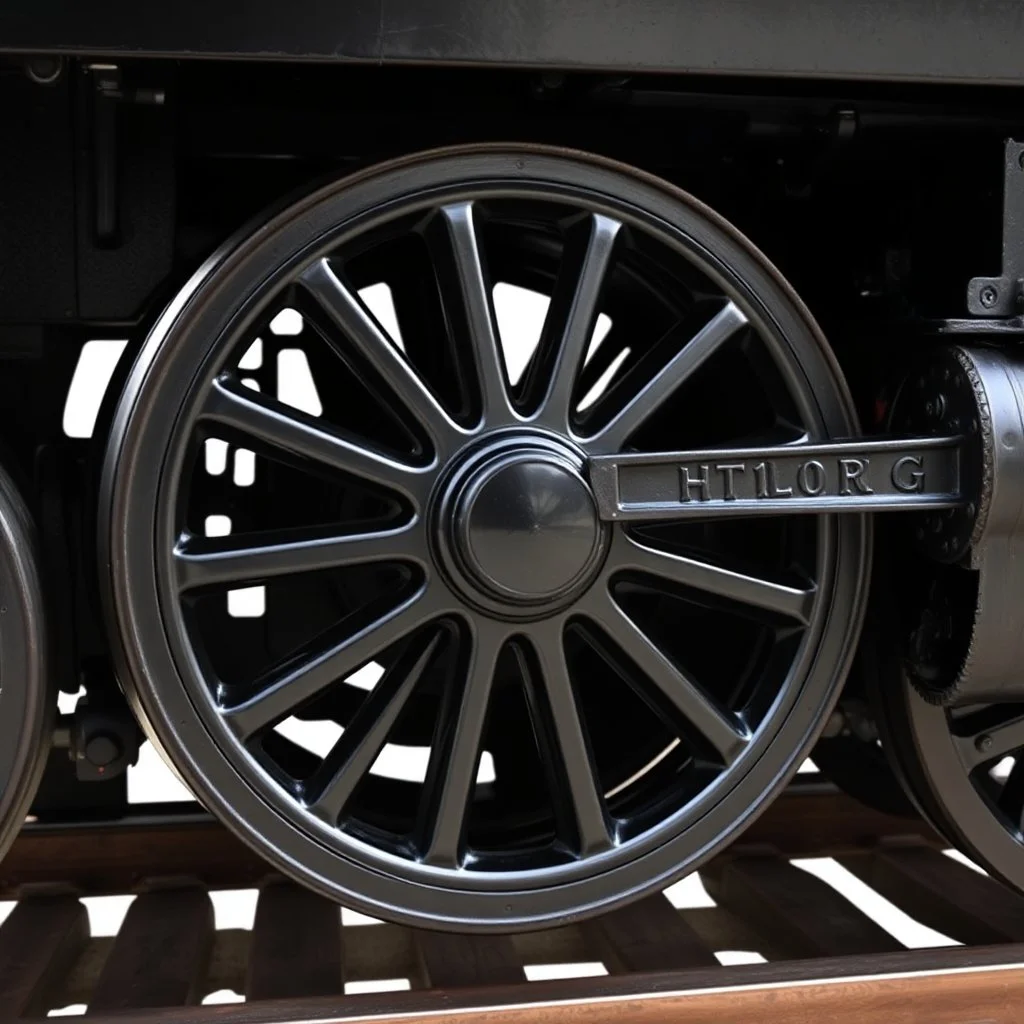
(597, 707)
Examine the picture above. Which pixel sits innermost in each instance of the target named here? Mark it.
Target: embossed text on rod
(847, 476)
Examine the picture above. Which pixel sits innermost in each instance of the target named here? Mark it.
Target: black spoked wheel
(583, 711)
(27, 698)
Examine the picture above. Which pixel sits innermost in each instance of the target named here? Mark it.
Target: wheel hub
(518, 527)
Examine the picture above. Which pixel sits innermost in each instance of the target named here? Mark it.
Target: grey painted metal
(891, 474)
(904, 40)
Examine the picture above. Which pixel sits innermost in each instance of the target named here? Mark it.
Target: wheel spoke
(203, 563)
(792, 602)
(349, 313)
(301, 682)
(1011, 799)
(354, 754)
(455, 756)
(578, 801)
(723, 731)
(694, 353)
(479, 310)
(572, 314)
(233, 405)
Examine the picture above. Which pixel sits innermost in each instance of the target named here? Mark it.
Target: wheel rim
(480, 480)
(27, 698)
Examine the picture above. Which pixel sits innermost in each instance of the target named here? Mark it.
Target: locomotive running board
(886, 475)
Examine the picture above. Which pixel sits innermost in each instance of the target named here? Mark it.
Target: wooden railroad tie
(825, 958)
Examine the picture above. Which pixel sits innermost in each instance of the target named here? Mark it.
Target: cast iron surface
(27, 699)
(641, 692)
(944, 41)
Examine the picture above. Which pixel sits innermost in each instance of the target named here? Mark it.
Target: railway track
(301, 961)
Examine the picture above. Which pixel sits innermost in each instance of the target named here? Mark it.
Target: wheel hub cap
(526, 528)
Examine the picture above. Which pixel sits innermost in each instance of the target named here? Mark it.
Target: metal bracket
(1004, 295)
(108, 93)
(844, 476)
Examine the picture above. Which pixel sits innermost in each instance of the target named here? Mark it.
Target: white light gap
(96, 364)
(287, 323)
(295, 385)
(899, 925)
(379, 300)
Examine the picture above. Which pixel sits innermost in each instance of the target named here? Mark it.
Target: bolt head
(988, 296)
(983, 743)
(102, 749)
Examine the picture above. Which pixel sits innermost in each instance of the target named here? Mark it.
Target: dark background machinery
(861, 148)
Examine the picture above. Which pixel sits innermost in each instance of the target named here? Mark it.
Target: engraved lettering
(810, 478)
(906, 479)
(851, 476)
(761, 479)
(727, 469)
(767, 486)
(700, 482)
